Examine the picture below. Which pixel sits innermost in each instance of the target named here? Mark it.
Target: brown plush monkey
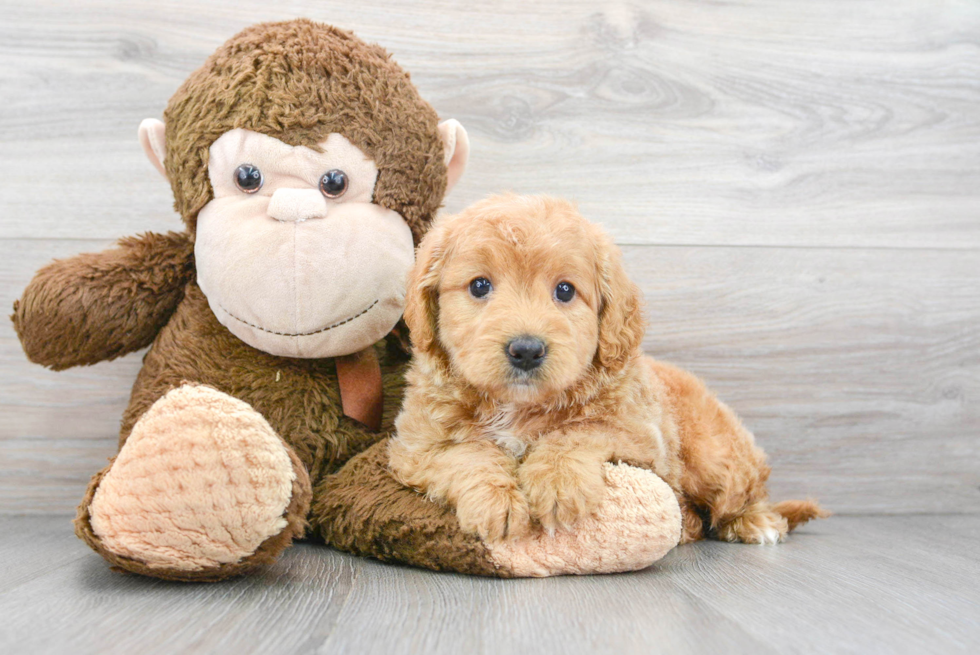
(306, 168)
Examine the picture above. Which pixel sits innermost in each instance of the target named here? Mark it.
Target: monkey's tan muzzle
(303, 288)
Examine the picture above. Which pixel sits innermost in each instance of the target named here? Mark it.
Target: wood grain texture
(856, 369)
(859, 584)
(770, 122)
(796, 185)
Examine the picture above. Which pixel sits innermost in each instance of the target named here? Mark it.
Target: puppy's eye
(564, 292)
(334, 183)
(248, 178)
(480, 287)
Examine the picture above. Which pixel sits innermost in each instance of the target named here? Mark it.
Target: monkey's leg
(202, 489)
(363, 510)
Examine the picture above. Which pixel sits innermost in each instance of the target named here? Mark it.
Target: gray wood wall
(796, 186)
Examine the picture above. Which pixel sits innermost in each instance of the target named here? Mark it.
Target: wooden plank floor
(849, 584)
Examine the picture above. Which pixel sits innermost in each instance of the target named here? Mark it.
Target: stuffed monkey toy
(306, 167)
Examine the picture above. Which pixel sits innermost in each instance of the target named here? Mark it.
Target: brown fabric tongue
(359, 377)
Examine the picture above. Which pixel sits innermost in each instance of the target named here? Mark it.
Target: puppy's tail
(798, 512)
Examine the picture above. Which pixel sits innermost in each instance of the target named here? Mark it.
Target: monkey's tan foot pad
(203, 489)
(637, 523)
(363, 510)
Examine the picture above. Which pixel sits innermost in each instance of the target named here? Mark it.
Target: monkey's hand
(100, 306)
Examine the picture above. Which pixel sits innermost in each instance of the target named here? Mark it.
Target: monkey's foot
(362, 509)
(636, 524)
(203, 489)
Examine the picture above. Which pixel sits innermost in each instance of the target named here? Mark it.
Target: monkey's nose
(297, 205)
(526, 352)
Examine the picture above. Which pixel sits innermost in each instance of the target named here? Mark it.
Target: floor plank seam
(358, 567)
(40, 572)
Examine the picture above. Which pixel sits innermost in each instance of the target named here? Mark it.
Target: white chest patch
(500, 429)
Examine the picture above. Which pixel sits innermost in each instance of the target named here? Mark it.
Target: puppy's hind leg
(738, 499)
(762, 523)
(724, 472)
(759, 523)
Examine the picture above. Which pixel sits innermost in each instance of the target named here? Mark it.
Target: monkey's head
(307, 166)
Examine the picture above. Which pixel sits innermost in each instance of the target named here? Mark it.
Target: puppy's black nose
(526, 353)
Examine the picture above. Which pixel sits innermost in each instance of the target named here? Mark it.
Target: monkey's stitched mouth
(304, 334)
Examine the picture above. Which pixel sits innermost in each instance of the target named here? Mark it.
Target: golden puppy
(528, 376)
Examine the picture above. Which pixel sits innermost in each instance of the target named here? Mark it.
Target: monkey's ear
(457, 149)
(154, 141)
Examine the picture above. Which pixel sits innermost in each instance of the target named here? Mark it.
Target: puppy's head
(522, 298)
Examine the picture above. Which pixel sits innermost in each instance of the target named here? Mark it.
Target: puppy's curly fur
(510, 446)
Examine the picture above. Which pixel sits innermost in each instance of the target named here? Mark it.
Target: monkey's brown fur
(97, 307)
(297, 81)
(372, 514)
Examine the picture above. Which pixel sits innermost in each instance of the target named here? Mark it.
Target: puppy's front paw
(561, 492)
(493, 512)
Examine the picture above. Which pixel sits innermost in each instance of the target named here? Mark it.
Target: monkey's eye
(334, 183)
(564, 292)
(480, 287)
(248, 178)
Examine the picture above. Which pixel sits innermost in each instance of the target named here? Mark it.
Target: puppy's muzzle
(526, 353)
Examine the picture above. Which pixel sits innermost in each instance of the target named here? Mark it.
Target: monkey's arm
(100, 306)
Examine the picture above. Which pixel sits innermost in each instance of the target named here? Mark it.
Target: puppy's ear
(422, 295)
(621, 322)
